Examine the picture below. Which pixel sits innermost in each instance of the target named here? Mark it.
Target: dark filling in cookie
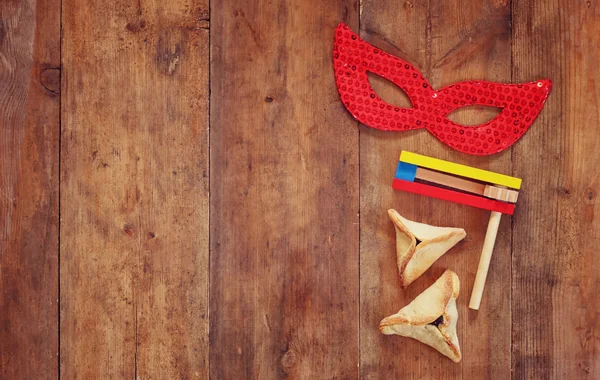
(438, 321)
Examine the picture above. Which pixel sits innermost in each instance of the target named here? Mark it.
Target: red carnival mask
(520, 103)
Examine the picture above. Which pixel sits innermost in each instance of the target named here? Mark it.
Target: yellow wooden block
(460, 170)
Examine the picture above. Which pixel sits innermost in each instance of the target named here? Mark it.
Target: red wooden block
(454, 196)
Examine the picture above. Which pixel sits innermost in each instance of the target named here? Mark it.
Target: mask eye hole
(388, 91)
(473, 115)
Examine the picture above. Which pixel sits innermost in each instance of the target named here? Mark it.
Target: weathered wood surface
(134, 190)
(252, 241)
(284, 195)
(29, 138)
(555, 266)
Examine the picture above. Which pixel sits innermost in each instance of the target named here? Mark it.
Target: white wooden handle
(484, 261)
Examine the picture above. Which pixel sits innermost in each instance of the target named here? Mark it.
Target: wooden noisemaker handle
(484, 261)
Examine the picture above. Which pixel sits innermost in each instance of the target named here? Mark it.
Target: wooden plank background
(29, 188)
(284, 196)
(134, 190)
(182, 194)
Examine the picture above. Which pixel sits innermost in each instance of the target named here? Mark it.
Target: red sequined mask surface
(520, 103)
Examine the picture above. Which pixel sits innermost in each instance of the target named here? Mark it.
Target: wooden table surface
(183, 195)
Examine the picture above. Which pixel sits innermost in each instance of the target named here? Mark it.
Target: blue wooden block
(406, 171)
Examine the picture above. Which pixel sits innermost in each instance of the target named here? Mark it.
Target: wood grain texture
(556, 273)
(293, 288)
(134, 190)
(284, 195)
(448, 42)
(29, 135)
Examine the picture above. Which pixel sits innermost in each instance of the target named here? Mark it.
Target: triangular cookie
(431, 317)
(414, 259)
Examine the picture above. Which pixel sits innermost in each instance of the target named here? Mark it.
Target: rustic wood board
(555, 267)
(222, 216)
(134, 190)
(29, 140)
(284, 195)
